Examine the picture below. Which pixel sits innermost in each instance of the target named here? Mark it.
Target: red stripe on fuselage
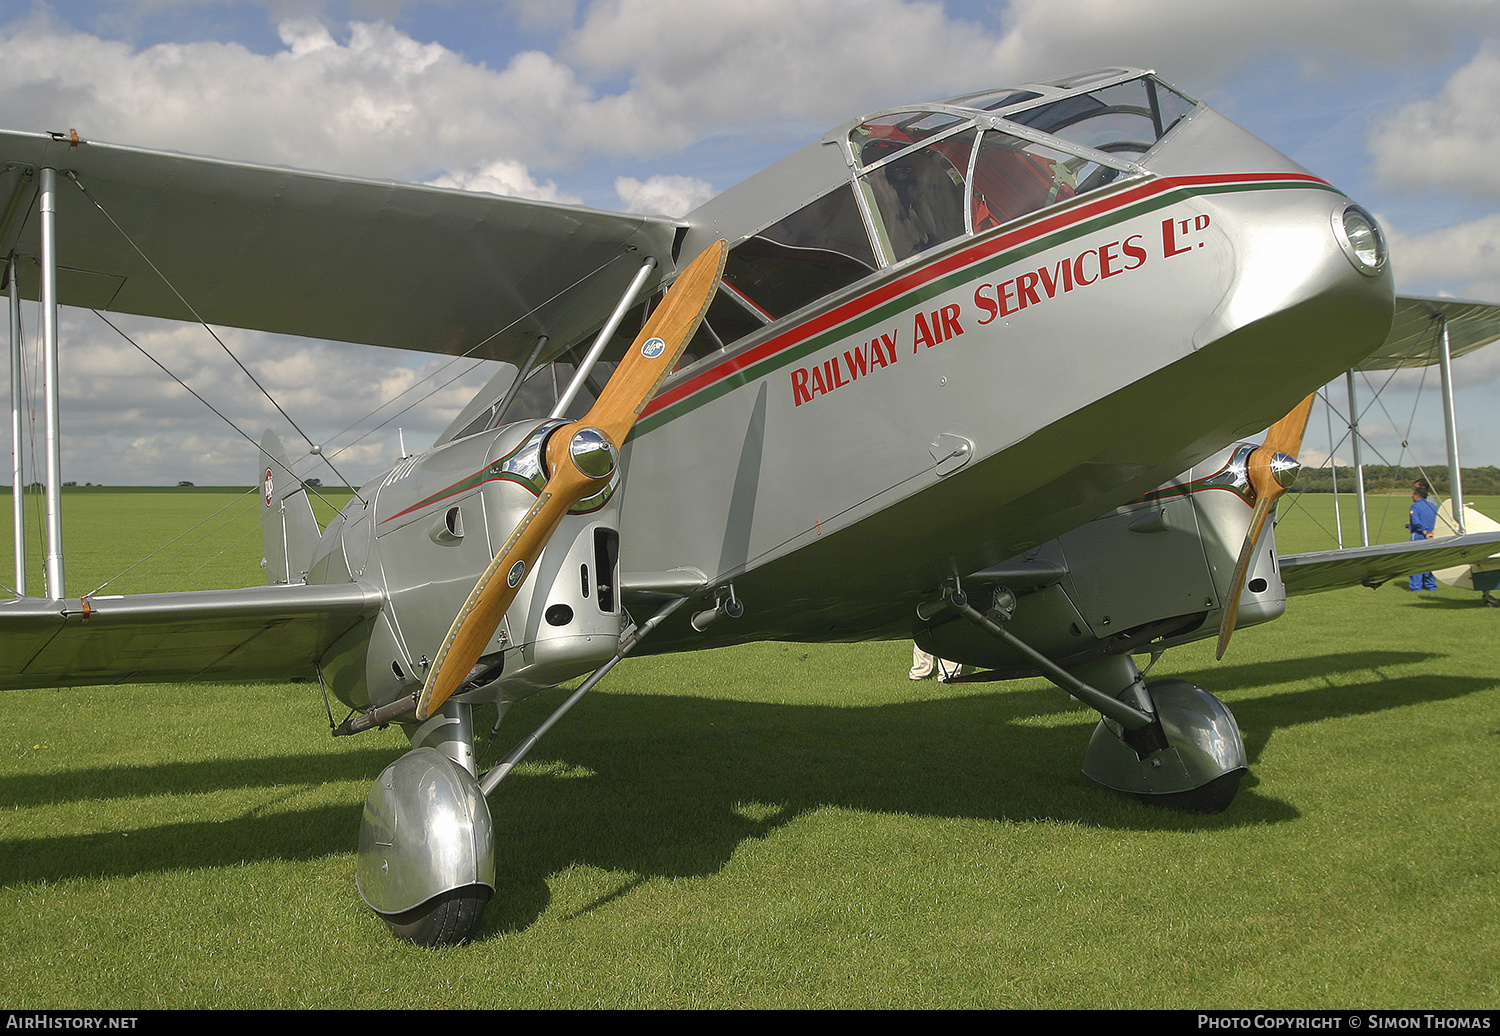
(958, 260)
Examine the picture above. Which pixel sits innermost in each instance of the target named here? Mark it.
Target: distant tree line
(1387, 478)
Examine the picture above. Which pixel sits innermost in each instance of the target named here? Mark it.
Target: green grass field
(775, 826)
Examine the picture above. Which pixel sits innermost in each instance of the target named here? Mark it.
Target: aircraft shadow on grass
(671, 786)
(1428, 602)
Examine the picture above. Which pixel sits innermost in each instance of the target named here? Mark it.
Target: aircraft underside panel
(255, 633)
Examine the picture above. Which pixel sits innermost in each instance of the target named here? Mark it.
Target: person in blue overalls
(1423, 519)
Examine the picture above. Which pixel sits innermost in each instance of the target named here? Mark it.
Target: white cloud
(543, 14)
(506, 178)
(377, 103)
(646, 78)
(697, 65)
(1202, 41)
(111, 394)
(663, 195)
(1464, 259)
(1450, 142)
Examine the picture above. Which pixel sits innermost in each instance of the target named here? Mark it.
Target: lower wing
(264, 632)
(1371, 566)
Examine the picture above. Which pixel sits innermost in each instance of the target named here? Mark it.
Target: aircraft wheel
(1200, 768)
(1213, 797)
(426, 839)
(448, 919)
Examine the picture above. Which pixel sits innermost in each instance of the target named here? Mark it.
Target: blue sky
(657, 104)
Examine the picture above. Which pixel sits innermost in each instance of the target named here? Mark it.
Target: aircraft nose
(1311, 295)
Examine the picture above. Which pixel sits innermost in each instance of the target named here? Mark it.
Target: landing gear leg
(426, 845)
(1171, 742)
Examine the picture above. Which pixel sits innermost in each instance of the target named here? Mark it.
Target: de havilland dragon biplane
(893, 381)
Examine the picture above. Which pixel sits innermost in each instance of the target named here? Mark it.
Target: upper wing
(1371, 566)
(262, 632)
(315, 254)
(1414, 330)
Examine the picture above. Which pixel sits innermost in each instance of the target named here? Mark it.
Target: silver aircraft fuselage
(954, 409)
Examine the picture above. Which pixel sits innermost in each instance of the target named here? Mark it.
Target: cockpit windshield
(931, 176)
(1126, 118)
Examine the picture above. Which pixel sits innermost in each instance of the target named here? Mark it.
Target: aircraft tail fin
(288, 529)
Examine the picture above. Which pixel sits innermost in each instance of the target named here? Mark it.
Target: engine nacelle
(1156, 570)
(427, 530)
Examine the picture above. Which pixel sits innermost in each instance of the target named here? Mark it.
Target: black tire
(1213, 797)
(448, 919)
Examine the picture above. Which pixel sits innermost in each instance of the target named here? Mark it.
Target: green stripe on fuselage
(941, 285)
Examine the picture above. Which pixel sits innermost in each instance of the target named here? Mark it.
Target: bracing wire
(247, 437)
(212, 334)
(1410, 421)
(1356, 421)
(326, 455)
(29, 390)
(461, 356)
(115, 327)
(166, 370)
(1296, 496)
(179, 537)
(315, 448)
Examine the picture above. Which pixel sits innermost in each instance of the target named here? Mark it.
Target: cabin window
(727, 320)
(540, 392)
(919, 193)
(878, 139)
(995, 100)
(815, 251)
(724, 322)
(1126, 119)
(1014, 177)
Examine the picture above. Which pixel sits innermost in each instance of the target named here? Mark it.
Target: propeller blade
(1271, 468)
(581, 458)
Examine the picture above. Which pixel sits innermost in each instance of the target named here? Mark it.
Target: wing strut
(628, 642)
(17, 407)
(1450, 424)
(47, 203)
(1359, 466)
(586, 367)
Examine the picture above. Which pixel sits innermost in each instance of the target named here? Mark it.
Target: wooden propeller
(1264, 465)
(581, 458)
